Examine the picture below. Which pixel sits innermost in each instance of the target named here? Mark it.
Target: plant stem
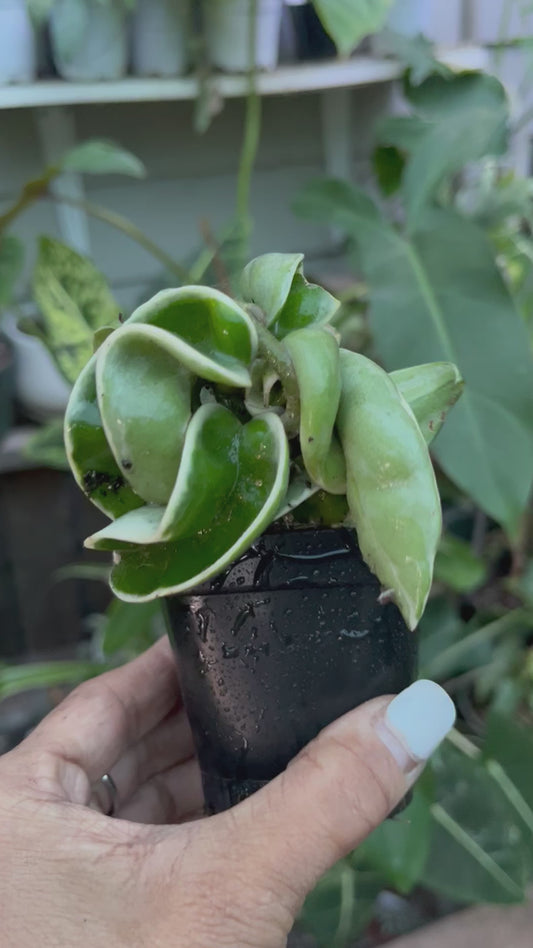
(279, 359)
(252, 129)
(31, 192)
(130, 230)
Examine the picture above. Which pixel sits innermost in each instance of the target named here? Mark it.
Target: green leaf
(466, 119)
(88, 452)
(129, 628)
(434, 297)
(458, 566)
(15, 679)
(47, 448)
(388, 163)
(480, 849)
(348, 21)
(74, 301)
(414, 52)
(440, 627)
(208, 473)
(102, 157)
(266, 281)
(315, 356)
(340, 907)
(391, 488)
(11, 262)
(306, 305)
(398, 849)
(144, 396)
(511, 745)
(162, 569)
(212, 335)
(430, 391)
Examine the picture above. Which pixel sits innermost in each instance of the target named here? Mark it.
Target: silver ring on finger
(111, 793)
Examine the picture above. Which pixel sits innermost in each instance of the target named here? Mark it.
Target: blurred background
(150, 143)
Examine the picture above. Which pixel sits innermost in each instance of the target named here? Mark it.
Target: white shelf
(303, 77)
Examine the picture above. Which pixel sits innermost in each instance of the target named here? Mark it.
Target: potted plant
(88, 37)
(160, 37)
(236, 446)
(18, 56)
(229, 27)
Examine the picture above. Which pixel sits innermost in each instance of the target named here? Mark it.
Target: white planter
(227, 28)
(497, 20)
(159, 37)
(439, 20)
(18, 56)
(40, 388)
(99, 49)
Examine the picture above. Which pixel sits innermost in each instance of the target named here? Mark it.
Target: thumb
(337, 790)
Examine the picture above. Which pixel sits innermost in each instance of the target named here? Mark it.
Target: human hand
(70, 875)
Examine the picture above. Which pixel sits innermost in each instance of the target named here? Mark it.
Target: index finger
(101, 718)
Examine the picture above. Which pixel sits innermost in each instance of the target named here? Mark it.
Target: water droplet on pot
(229, 651)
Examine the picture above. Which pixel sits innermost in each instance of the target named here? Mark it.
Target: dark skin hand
(158, 874)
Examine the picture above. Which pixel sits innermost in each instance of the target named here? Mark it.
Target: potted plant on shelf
(235, 447)
(160, 37)
(88, 37)
(241, 34)
(18, 54)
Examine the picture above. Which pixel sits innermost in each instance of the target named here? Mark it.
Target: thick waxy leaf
(391, 488)
(144, 396)
(434, 297)
(348, 21)
(11, 261)
(207, 475)
(315, 356)
(306, 305)
(213, 336)
(430, 391)
(74, 301)
(266, 281)
(88, 452)
(164, 569)
(480, 849)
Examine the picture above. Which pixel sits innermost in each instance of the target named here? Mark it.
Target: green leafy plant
(201, 420)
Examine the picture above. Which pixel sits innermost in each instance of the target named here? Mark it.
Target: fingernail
(415, 723)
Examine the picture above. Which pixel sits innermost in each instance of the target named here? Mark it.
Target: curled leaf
(430, 391)
(391, 488)
(315, 356)
(213, 336)
(164, 569)
(144, 397)
(88, 452)
(266, 281)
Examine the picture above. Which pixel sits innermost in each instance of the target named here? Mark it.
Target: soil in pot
(7, 386)
(291, 637)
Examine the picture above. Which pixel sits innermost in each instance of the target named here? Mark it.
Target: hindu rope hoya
(201, 420)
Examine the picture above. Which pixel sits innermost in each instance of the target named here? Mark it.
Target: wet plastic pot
(291, 637)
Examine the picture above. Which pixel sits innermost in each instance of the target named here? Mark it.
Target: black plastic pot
(7, 386)
(288, 639)
(310, 38)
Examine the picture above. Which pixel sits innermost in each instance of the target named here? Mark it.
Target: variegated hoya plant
(201, 420)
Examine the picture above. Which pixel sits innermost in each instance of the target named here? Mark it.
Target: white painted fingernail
(417, 720)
